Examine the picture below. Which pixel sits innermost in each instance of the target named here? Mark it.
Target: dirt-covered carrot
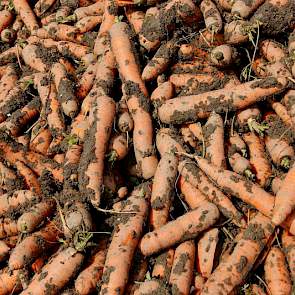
(206, 251)
(8, 81)
(96, 8)
(56, 273)
(163, 265)
(188, 137)
(8, 177)
(91, 179)
(257, 290)
(223, 55)
(179, 110)
(153, 285)
(6, 18)
(249, 118)
(212, 17)
(213, 134)
(272, 50)
(284, 201)
(33, 217)
(30, 57)
(233, 269)
(288, 243)
(243, 8)
(89, 277)
(11, 281)
(8, 228)
(41, 140)
(289, 102)
(162, 93)
(118, 147)
(163, 187)
(125, 122)
(135, 18)
(235, 32)
(42, 6)
(181, 229)
(240, 165)
(237, 144)
(198, 179)
(88, 23)
(277, 276)
(27, 15)
(182, 269)
(258, 160)
(282, 112)
(124, 242)
(4, 251)
(33, 246)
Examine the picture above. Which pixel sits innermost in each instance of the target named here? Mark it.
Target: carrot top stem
(285, 162)
(249, 174)
(254, 126)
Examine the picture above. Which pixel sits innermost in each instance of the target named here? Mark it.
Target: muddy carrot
(257, 290)
(243, 8)
(96, 8)
(258, 160)
(223, 55)
(33, 217)
(282, 112)
(188, 136)
(124, 242)
(181, 229)
(8, 228)
(211, 16)
(125, 122)
(233, 269)
(241, 165)
(8, 177)
(6, 18)
(56, 273)
(206, 251)
(135, 18)
(41, 140)
(272, 50)
(235, 32)
(163, 265)
(88, 23)
(290, 103)
(162, 93)
(31, 58)
(152, 286)
(118, 147)
(277, 275)
(11, 281)
(8, 81)
(182, 269)
(179, 110)
(4, 251)
(288, 242)
(42, 6)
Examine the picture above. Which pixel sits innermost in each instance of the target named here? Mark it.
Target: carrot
(282, 112)
(4, 251)
(212, 17)
(17, 24)
(125, 122)
(30, 57)
(152, 286)
(56, 273)
(289, 102)
(15, 200)
(249, 118)
(260, 164)
(223, 55)
(48, 19)
(30, 178)
(241, 165)
(90, 276)
(33, 217)
(182, 269)
(88, 23)
(197, 131)
(8, 228)
(199, 180)
(276, 273)
(243, 8)
(206, 250)
(42, 6)
(160, 61)
(288, 242)
(8, 177)
(6, 18)
(235, 32)
(23, 8)
(135, 18)
(199, 282)
(91, 178)
(163, 186)
(96, 8)
(214, 133)
(188, 136)
(225, 4)
(181, 229)
(8, 81)
(272, 50)
(237, 144)
(11, 281)
(257, 290)
(8, 36)
(59, 158)
(124, 242)
(277, 182)
(118, 147)
(163, 265)
(191, 195)
(179, 110)
(40, 142)
(233, 269)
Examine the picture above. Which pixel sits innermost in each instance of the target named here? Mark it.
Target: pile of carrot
(147, 147)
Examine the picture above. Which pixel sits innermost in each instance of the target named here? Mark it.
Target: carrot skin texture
(124, 242)
(233, 269)
(163, 265)
(181, 229)
(288, 243)
(11, 281)
(152, 286)
(277, 275)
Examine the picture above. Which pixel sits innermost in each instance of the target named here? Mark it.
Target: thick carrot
(89, 277)
(235, 32)
(214, 140)
(163, 187)
(277, 276)
(27, 15)
(181, 229)
(223, 55)
(289, 102)
(8, 81)
(288, 243)
(41, 140)
(59, 32)
(91, 178)
(8, 228)
(284, 201)
(233, 269)
(42, 6)
(272, 50)
(198, 179)
(125, 122)
(135, 18)
(243, 8)
(31, 58)
(189, 108)
(258, 160)
(241, 165)
(212, 17)
(11, 281)
(33, 217)
(8, 177)
(118, 147)
(249, 118)
(257, 290)
(6, 18)
(56, 273)
(96, 8)
(206, 251)
(163, 265)
(4, 251)
(33, 246)
(88, 23)
(182, 269)
(154, 286)
(124, 242)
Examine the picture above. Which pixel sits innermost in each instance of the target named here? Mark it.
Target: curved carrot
(181, 229)
(277, 275)
(233, 269)
(243, 8)
(56, 273)
(282, 112)
(124, 242)
(182, 268)
(162, 93)
(258, 160)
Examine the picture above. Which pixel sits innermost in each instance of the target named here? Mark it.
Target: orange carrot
(152, 286)
(188, 136)
(163, 265)
(8, 81)
(223, 55)
(4, 251)
(118, 147)
(6, 18)
(235, 32)
(288, 242)
(257, 290)
(42, 6)
(249, 118)
(31, 58)
(11, 281)
(33, 217)
(96, 8)
(212, 17)
(181, 229)
(272, 50)
(277, 275)
(237, 144)
(290, 103)
(8, 177)
(8, 228)
(243, 8)
(199, 282)
(179, 110)
(233, 269)
(10, 54)
(282, 112)
(40, 141)
(125, 122)
(124, 242)
(135, 18)
(88, 23)
(260, 164)
(206, 250)
(182, 269)
(241, 165)
(56, 273)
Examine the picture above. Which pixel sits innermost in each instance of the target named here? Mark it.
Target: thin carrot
(237, 144)
(96, 8)
(124, 242)
(288, 243)
(181, 229)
